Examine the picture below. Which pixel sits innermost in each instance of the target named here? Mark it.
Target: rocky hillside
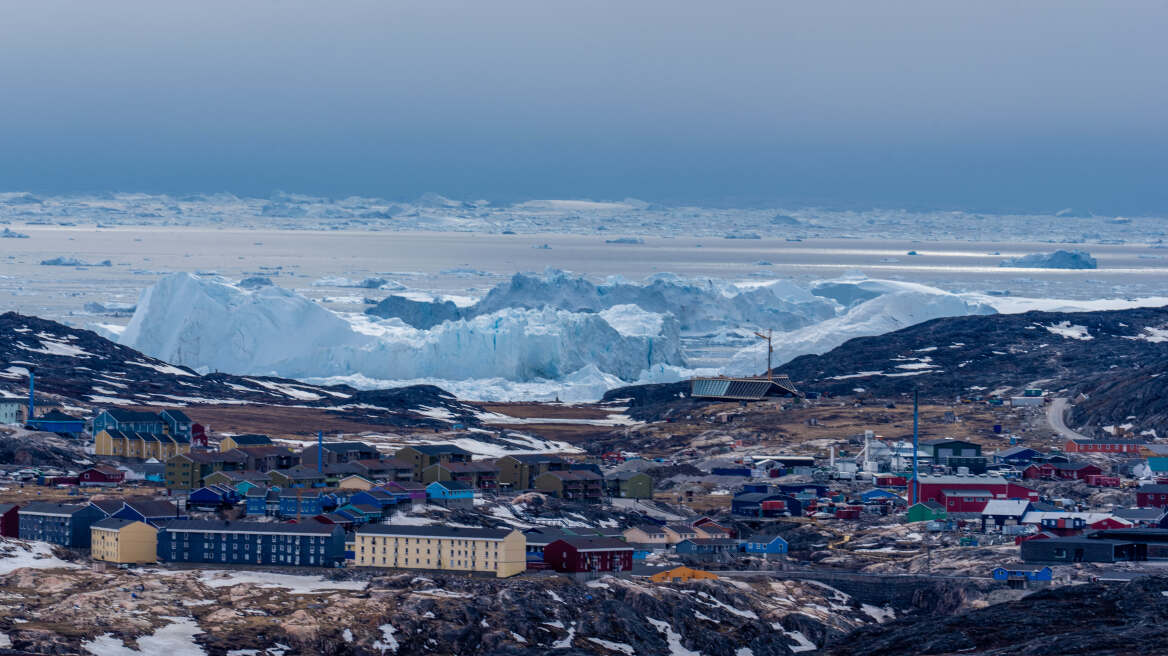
(1115, 619)
(1114, 357)
(64, 607)
(82, 368)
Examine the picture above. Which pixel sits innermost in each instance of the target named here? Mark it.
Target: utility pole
(916, 490)
(770, 350)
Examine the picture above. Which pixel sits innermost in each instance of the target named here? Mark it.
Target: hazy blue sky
(984, 105)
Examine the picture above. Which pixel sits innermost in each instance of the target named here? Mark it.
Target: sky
(988, 106)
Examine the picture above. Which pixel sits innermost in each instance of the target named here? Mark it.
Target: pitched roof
(1109, 441)
(122, 414)
(1072, 466)
(108, 506)
(952, 479)
(1157, 488)
(434, 531)
(468, 467)
(5, 507)
(114, 523)
(251, 439)
(537, 458)
(211, 457)
(264, 450)
(453, 485)
(153, 507)
(344, 447)
(967, 493)
(219, 526)
(438, 449)
(596, 544)
(45, 508)
(1006, 507)
(178, 415)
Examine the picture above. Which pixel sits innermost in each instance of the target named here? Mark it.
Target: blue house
(707, 547)
(59, 523)
(450, 493)
(754, 504)
(155, 513)
(362, 513)
(55, 421)
(311, 544)
(375, 497)
(301, 502)
(213, 497)
(256, 501)
(813, 490)
(878, 495)
(127, 421)
(1003, 574)
(1017, 455)
(765, 544)
(177, 423)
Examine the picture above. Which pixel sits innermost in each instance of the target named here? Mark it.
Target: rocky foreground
(52, 606)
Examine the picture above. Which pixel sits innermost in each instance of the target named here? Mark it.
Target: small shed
(926, 511)
(683, 575)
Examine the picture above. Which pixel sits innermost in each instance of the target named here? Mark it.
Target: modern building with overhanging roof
(743, 389)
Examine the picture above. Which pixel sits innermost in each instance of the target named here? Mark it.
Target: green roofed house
(926, 511)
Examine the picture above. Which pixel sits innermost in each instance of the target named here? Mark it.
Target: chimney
(320, 452)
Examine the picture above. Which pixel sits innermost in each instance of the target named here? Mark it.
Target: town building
(188, 471)
(586, 555)
(308, 543)
(248, 439)
(480, 475)
(265, 458)
(649, 534)
(424, 456)
(926, 511)
(1152, 496)
(336, 453)
(152, 511)
(55, 421)
(765, 543)
(580, 485)
(629, 485)
(520, 472)
(707, 548)
(960, 493)
(12, 410)
(955, 453)
(59, 523)
(116, 540)
(9, 520)
(101, 475)
(675, 533)
(1106, 445)
(140, 445)
(452, 494)
(488, 550)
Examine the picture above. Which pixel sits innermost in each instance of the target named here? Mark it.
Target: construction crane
(770, 350)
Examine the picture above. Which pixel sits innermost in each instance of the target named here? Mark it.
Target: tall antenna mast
(770, 350)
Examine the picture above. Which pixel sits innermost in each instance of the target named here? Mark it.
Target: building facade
(496, 551)
(308, 544)
(116, 540)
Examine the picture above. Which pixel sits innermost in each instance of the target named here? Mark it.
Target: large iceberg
(703, 305)
(210, 324)
(1059, 259)
(555, 336)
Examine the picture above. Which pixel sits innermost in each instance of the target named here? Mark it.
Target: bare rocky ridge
(83, 367)
(1114, 357)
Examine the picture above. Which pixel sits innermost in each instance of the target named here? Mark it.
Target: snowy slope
(894, 308)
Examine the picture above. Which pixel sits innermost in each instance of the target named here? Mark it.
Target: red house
(1152, 496)
(1110, 445)
(9, 520)
(589, 555)
(970, 493)
(102, 475)
(1043, 470)
(1075, 471)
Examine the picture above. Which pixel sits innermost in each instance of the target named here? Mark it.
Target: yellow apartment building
(448, 548)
